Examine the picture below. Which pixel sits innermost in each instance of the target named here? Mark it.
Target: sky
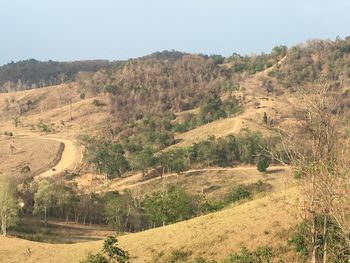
(66, 30)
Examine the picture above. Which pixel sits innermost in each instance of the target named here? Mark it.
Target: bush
(179, 256)
(94, 258)
(337, 247)
(262, 165)
(44, 127)
(238, 193)
(6, 133)
(261, 255)
(98, 103)
(297, 175)
(110, 253)
(25, 169)
(203, 260)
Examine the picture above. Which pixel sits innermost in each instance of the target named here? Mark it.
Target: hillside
(31, 74)
(264, 221)
(176, 151)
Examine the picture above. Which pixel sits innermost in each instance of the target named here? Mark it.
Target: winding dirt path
(71, 155)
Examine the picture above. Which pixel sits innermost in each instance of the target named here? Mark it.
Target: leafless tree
(319, 152)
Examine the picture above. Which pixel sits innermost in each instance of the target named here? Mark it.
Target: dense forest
(29, 74)
(304, 63)
(315, 61)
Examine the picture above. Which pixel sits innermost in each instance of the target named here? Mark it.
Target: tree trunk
(313, 239)
(4, 227)
(325, 222)
(45, 216)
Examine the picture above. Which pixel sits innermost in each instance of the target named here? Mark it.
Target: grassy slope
(215, 182)
(255, 223)
(25, 153)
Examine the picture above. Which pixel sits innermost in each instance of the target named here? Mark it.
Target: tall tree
(8, 203)
(321, 155)
(43, 198)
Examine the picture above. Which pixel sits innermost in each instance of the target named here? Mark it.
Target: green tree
(110, 253)
(144, 159)
(110, 247)
(169, 206)
(212, 110)
(8, 203)
(106, 156)
(238, 193)
(43, 198)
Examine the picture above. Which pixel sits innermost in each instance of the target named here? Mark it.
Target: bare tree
(319, 151)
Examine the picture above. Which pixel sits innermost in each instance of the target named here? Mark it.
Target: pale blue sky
(114, 29)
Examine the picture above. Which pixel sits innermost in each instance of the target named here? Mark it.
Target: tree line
(112, 159)
(124, 211)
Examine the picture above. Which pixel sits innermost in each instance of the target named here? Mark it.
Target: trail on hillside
(70, 157)
(138, 179)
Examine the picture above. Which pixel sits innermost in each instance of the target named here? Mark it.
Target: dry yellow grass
(214, 182)
(255, 223)
(26, 153)
(260, 222)
(51, 106)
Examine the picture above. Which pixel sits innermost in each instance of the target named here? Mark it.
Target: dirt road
(71, 155)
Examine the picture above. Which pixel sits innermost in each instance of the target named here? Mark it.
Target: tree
(321, 154)
(169, 206)
(16, 121)
(66, 199)
(144, 159)
(111, 252)
(212, 110)
(265, 118)
(8, 203)
(43, 198)
(108, 157)
(263, 164)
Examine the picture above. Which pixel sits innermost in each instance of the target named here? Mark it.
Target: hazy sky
(115, 29)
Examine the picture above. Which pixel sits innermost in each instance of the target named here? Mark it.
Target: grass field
(26, 153)
(260, 222)
(264, 220)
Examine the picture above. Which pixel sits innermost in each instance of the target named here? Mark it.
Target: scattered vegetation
(138, 152)
(110, 253)
(43, 127)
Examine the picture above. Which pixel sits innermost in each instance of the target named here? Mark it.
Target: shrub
(262, 165)
(8, 133)
(25, 169)
(337, 248)
(297, 175)
(110, 253)
(94, 258)
(179, 256)
(261, 255)
(98, 103)
(44, 127)
(238, 193)
(203, 260)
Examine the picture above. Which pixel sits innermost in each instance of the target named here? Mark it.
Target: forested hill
(29, 74)
(294, 67)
